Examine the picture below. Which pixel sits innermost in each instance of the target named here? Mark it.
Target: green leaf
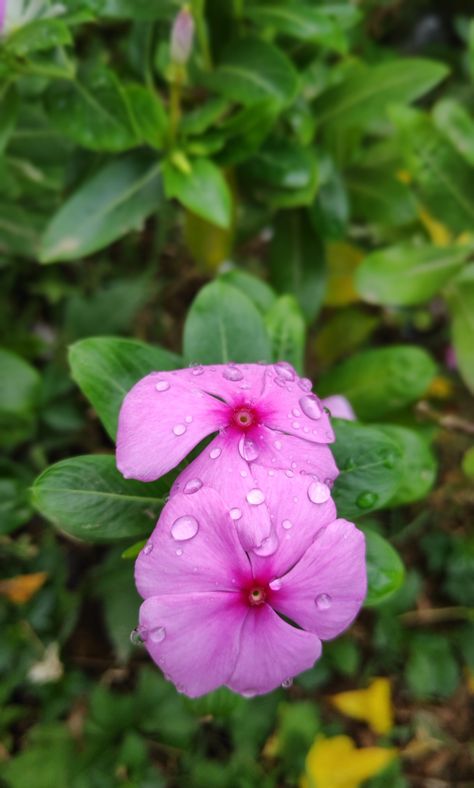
(88, 498)
(20, 229)
(120, 602)
(461, 306)
(369, 463)
(19, 387)
(106, 368)
(286, 327)
(8, 113)
(108, 310)
(202, 190)
(49, 755)
(453, 120)
(252, 286)
(343, 332)
(286, 173)
(301, 21)
(297, 261)
(38, 35)
(140, 10)
(252, 70)
(93, 110)
(380, 381)
(150, 119)
(431, 669)
(418, 470)
(385, 570)
(404, 275)
(116, 200)
(367, 91)
(379, 198)
(224, 325)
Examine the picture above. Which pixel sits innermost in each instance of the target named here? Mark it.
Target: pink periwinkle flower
(182, 35)
(216, 615)
(265, 415)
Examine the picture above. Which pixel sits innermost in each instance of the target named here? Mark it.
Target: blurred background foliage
(303, 188)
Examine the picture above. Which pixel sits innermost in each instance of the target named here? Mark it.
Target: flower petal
(277, 450)
(221, 467)
(227, 381)
(162, 418)
(292, 409)
(325, 590)
(194, 548)
(340, 407)
(193, 638)
(296, 519)
(271, 651)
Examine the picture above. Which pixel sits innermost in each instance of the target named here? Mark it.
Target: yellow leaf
(21, 588)
(440, 388)
(337, 763)
(439, 234)
(372, 705)
(342, 260)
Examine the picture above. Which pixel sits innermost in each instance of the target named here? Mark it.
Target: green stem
(175, 109)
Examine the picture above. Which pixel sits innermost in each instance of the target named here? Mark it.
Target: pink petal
(227, 381)
(162, 418)
(199, 553)
(221, 466)
(340, 407)
(325, 590)
(271, 651)
(277, 450)
(293, 409)
(194, 639)
(296, 518)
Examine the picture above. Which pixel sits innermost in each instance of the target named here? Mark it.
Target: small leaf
(22, 588)
(286, 327)
(301, 21)
(88, 498)
(385, 571)
(202, 190)
(461, 306)
(224, 325)
(454, 121)
(379, 198)
(431, 669)
(418, 470)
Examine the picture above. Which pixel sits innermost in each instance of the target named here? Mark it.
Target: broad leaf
(379, 198)
(418, 470)
(19, 387)
(301, 21)
(254, 288)
(105, 368)
(286, 327)
(385, 570)
(461, 305)
(454, 121)
(202, 189)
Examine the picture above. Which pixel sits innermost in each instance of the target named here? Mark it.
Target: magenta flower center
(256, 595)
(244, 417)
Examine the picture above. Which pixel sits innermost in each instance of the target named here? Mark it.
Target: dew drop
(310, 407)
(192, 486)
(184, 528)
(275, 585)
(179, 429)
(162, 385)
(287, 524)
(267, 546)
(232, 373)
(215, 453)
(323, 601)
(235, 514)
(248, 449)
(289, 473)
(158, 634)
(277, 445)
(284, 371)
(138, 636)
(296, 425)
(366, 500)
(318, 492)
(286, 684)
(296, 412)
(197, 370)
(243, 474)
(188, 419)
(148, 548)
(305, 384)
(255, 496)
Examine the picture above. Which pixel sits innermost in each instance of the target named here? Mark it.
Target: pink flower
(340, 407)
(213, 613)
(182, 34)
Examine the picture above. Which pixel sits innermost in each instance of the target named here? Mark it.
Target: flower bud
(182, 37)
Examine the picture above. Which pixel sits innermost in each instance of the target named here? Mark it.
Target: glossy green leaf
(369, 463)
(302, 21)
(93, 110)
(224, 325)
(88, 498)
(461, 306)
(113, 202)
(367, 91)
(252, 70)
(19, 386)
(382, 380)
(285, 173)
(38, 35)
(385, 570)
(286, 328)
(149, 117)
(455, 122)
(252, 286)
(8, 113)
(418, 470)
(297, 261)
(202, 190)
(379, 198)
(405, 274)
(105, 368)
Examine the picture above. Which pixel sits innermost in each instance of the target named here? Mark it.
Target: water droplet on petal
(275, 585)
(158, 634)
(284, 371)
(248, 449)
(184, 528)
(215, 453)
(289, 473)
(267, 546)
(192, 486)
(287, 524)
(318, 492)
(255, 496)
(305, 384)
(232, 373)
(243, 474)
(179, 429)
(296, 412)
(188, 419)
(323, 601)
(138, 636)
(235, 514)
(286, 684)
(162, 385)
(148, 548)
(179, 551)
(310, 407)
(296, 425)
(277, 445)
(197, 370)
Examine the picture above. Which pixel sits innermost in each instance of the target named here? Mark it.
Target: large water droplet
(366, 500)
(255, 496)
(235, 514)
(287, 524)
(215, 453)
(148, 548)
(248, 449)
(284, 371)
(138, 636)
(192, 486)
(184, 528)
(197, 370)
(232, 373)
(179, 429)
(310, 407)
(162, 385)
(276, 584)
(267, 546)
(323, 601)
(318, 492)
(158, 634)
(305, 384)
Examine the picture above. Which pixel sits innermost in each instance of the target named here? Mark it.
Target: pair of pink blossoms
(248, 568)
